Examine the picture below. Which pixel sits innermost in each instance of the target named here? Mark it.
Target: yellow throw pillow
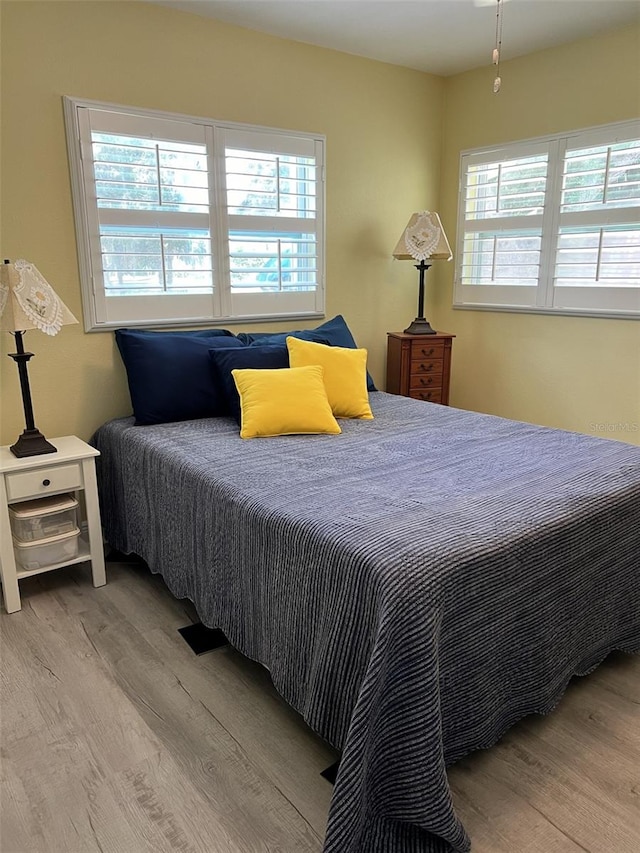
(345, 375)
(288, 401)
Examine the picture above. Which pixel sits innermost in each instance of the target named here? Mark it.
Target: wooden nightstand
(71, 469)
(419, 366)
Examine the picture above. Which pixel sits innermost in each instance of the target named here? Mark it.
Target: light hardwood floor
(116, 738)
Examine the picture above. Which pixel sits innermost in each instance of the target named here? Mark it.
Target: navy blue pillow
(334, 332)
(262, 339)
(169, 373)
(224, 361)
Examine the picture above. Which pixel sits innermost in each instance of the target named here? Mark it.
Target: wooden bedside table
(71, 469)
(419, 366)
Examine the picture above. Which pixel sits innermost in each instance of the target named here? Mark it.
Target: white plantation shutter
(183, 221)
(146, 183)
(552, 225)
(598, 255)
(502, 226)
(272, 190)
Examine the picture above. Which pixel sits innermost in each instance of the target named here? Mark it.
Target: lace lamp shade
(423, 239)
(27, 301)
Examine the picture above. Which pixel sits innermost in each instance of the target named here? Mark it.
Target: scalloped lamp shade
(442, 249)
(27, 301)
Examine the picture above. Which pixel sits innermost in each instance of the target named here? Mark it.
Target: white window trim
(222, 302)
(556, 144)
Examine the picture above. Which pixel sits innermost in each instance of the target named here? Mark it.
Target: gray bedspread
(415, 585)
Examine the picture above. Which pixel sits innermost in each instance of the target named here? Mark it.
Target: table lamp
(422, 240)
(27, 301)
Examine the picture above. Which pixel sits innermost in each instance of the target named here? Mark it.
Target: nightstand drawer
(429, 365)
(422, 350)
(425, 382)
(430, 395)
(31, 484)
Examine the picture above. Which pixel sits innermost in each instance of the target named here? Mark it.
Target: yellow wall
(387, 156)
(383, 128)
(576, 373)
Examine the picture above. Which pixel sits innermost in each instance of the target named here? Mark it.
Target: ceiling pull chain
(496, 50)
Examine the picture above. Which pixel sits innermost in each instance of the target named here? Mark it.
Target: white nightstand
(71, 469)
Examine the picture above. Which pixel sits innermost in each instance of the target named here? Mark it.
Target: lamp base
(32, 443)
(420, 326)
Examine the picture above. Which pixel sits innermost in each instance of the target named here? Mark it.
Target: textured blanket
(415, 585)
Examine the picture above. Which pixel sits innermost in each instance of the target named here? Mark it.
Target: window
(184, 221)
(552, 225)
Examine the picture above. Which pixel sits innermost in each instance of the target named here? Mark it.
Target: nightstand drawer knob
(46, 482)
(424, 381)
(428, 352)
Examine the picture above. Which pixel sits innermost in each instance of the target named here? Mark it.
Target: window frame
(222, 305)
(624, 303)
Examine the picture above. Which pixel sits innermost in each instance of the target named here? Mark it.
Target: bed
(414, 585)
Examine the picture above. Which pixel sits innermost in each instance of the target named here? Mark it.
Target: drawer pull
(426, 368)
(427, 353)
(424, 381)
(46, 482)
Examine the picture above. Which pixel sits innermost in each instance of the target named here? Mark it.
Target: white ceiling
(440, 36)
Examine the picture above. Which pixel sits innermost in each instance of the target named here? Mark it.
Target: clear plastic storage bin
(44, 517)
(46, 552)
